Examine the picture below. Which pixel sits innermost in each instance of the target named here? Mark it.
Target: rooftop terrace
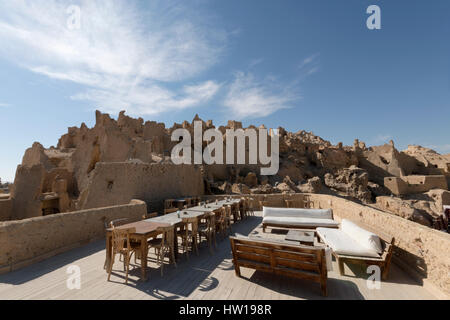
(204, 276)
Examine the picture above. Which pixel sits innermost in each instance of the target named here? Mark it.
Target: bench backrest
(298, 213)
(297, 261)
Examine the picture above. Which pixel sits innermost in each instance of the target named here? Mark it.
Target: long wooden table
(148, 228)
(144, 231)
(173, 220)
(212, 207)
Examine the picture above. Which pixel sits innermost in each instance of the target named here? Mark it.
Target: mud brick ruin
(124, 159)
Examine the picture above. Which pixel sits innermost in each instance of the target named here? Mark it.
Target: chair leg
(173, 256)
(161, 260)
(127, 258)
(111, 266)
(186, 249)
(196, 244)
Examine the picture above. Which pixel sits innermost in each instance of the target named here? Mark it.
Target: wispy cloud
(126, 57)
(4, 105)
(310, 65)
(255, 62)
(248, 97)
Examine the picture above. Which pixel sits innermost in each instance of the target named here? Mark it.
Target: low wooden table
(306, 237)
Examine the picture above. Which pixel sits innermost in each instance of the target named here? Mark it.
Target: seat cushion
(298, 213)
(294, 221)
(341, 243)
(363, 237)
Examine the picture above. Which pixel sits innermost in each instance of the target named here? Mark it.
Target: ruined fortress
(124, 159)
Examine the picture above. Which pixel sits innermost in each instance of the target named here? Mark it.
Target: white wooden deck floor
(201, 277)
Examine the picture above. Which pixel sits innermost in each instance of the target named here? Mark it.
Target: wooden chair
(169, 203)
(220, 221)
(164, 245)
(235, 212)
(245, 207)
(115, 223)
(263, 204)
(189, 235)
(149, 215)
(208, 230)
(227, 220)
(307, 203)
(196, 201)
(294, 204)
(251, 210)
(171, 210)
(122, 244)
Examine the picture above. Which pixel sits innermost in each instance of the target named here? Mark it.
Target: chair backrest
(211, 221)
(121, 239)
(294, 203)
(193, 222)
(168, 203)
(168, 235)
(118, 222)
(220, 214)
(171, 210)
(228, 211)
(150, 215)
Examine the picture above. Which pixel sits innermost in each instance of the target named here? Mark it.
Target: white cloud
(310, 65)
(255, 62)
(150, 99)
(124, 55)
(5, 105)
(250, 98)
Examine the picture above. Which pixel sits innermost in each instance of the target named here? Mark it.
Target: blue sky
(311, 65)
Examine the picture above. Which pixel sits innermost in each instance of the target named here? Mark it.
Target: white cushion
(363, 237)
(341, 243)
(299, 213)
(300, 221)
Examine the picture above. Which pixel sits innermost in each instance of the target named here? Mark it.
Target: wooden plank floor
(201, 277)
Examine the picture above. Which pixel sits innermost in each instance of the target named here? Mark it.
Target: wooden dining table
(220, 204)
(144, 230)
(148, 228)
(173, 219)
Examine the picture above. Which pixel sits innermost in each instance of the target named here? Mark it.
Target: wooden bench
(384, 261)
(302, 262)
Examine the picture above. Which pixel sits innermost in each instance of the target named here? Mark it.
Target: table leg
(144, 252)
(108, 251)
(175, 245)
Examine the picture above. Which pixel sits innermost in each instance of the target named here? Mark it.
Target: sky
(299, 64)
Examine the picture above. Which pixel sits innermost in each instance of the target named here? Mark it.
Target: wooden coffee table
(306, 237)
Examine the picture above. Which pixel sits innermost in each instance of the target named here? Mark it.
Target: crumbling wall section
(28, 241)
(415, 184)
(5, 209)
(118, 183)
